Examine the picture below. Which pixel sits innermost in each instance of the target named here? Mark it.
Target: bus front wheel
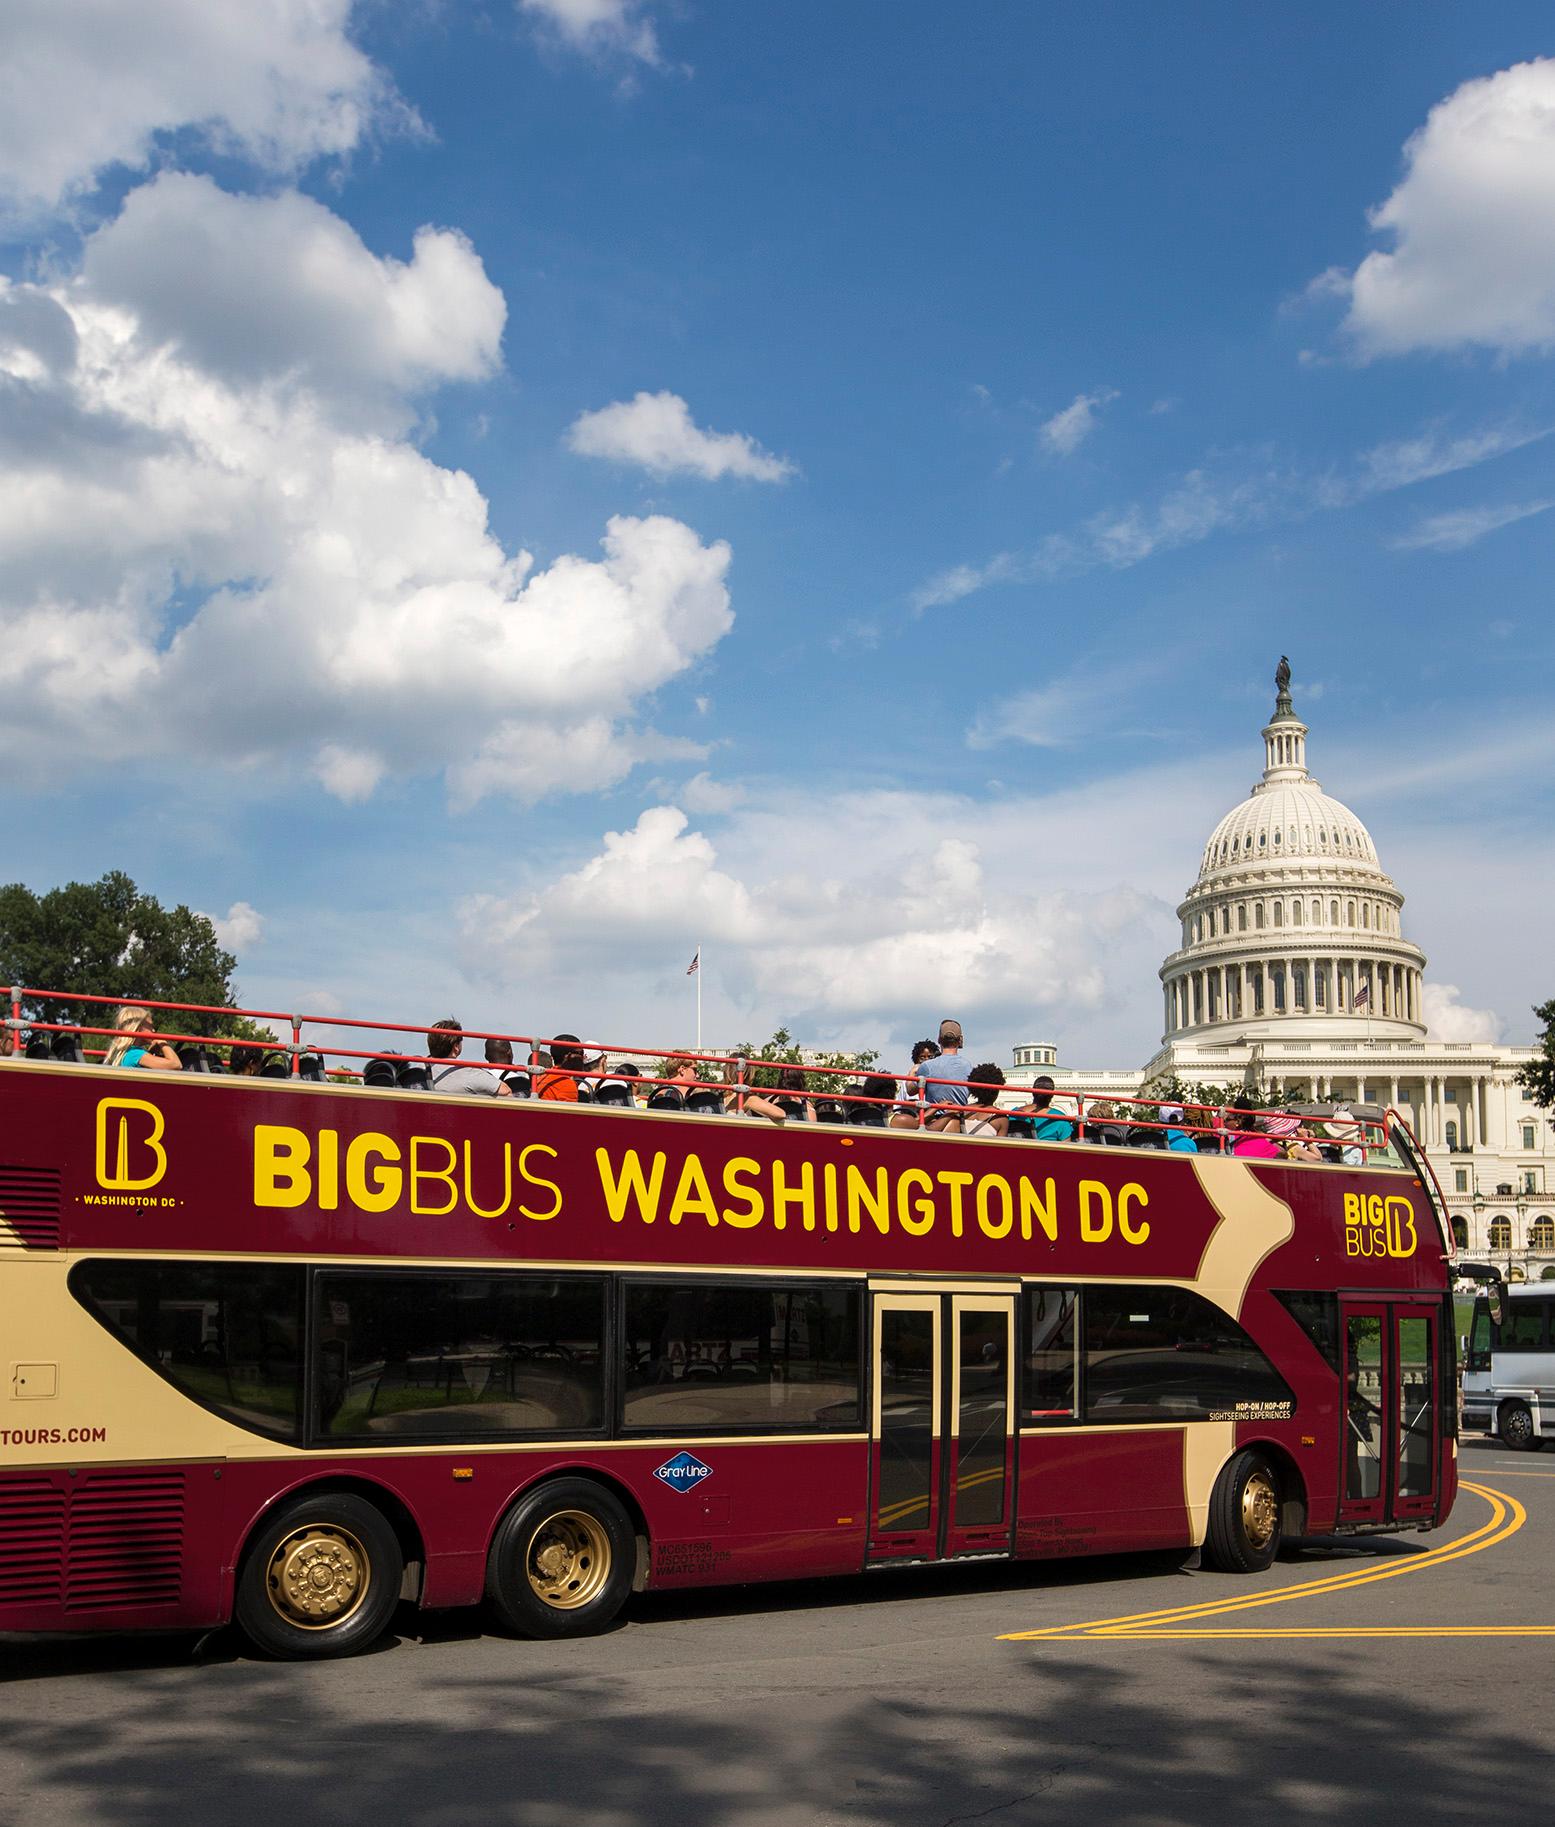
(321, 1578)
(1243, 1534)
(562, 1560)
(1514, 1425)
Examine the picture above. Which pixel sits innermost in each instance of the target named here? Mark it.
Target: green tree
(106, 938)
(767, 1062)
(1538, 1076)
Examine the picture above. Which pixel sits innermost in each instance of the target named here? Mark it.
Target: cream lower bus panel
(76, 1395)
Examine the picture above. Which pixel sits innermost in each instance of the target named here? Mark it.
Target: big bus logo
(130, 1155)
(1374, 1226)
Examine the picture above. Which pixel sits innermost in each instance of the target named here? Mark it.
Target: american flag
(696, 963)
(1363, 996)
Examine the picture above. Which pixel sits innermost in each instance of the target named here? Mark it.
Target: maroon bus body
(776, 1509)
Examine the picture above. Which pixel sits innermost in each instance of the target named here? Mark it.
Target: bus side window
(1051, 1382)
(1479, 1337)
(1522, 1326)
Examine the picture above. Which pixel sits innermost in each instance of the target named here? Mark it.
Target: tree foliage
(106, 938)
(768, 1061)
(1538, 1076)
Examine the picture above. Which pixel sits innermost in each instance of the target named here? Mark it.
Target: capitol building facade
(1294, 974)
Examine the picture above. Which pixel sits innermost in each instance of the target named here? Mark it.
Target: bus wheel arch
(1246, 1511)
(565, 1554)
(322, 1570)
(1293, 1489)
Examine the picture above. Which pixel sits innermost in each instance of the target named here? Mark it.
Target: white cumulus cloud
(1448, 1018)
(1472, 227)
(240, 928)
(1066, 431)
(280, 288)
(86, 84)
(856, 914)
(622, 27)
(222, 546)
(656, 432)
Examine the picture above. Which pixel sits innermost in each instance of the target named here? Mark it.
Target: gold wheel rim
(1260, 1510)
(568, 1560)
(318, 1576)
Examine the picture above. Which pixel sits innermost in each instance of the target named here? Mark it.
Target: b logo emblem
(124, 1143)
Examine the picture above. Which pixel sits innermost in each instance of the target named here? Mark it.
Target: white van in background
(1509, 1367)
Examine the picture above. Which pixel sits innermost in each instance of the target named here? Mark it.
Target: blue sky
(499, 494)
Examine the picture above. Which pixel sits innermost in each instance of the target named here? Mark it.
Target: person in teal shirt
(1046, 1124)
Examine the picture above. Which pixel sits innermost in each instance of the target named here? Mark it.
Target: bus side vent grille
(126, 1540)
(29, 1208)
(32, 1541)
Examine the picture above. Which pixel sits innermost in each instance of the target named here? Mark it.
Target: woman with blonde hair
(128, 1049)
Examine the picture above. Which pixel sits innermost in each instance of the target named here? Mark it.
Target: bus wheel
(562, 1561)
(1514, 1425)
(1244, 1516)
(321, 1578)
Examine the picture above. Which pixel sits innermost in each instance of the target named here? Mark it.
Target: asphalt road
(1398, 1684)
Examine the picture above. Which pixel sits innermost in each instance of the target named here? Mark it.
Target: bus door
(943, 1424)
(1392, 1411)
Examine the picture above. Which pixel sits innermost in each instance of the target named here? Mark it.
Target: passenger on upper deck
(445, 1040)
(127, 1049)
(568, 1058)
(1176, 1136)
(1252, 1140)
(1102, 1126)
(1047, 1124)
(245, 1060)
(875, 1110)
(1291, 1136)
(1343, 1129)
(944, 1101)
(981, 1119)
(790, 1087)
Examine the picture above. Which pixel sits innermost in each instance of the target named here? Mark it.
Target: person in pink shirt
(1252, 1142)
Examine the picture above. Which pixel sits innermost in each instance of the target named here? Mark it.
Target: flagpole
(699, 995)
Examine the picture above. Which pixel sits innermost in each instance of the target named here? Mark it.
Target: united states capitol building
(1294, 973)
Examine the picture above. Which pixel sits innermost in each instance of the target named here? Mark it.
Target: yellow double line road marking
(1507, 1516)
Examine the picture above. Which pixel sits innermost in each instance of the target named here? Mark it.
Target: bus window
(1522, 1326)
(227, 1333)
(1479, 1337)
(1052, 1358)
(1164, 1354)
(703, 1357)
(459, 1356)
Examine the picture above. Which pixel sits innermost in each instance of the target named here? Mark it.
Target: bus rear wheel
(1244, 1527)
(1514, 1427)
(562, 1560)
(321, 1578)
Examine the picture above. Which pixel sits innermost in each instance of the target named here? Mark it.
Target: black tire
(321, 1578)
(562, 1560)
(1245, 1512)
(1514, 1428)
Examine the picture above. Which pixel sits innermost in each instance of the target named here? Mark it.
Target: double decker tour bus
(291, 1349)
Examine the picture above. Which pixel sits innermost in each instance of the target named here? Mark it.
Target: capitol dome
(1293, 926)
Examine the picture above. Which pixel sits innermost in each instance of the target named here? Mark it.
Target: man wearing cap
(568, 1059)
(1177, 1137)
(943, 1102)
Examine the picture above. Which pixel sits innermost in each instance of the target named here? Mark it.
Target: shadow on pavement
(1057, 1738)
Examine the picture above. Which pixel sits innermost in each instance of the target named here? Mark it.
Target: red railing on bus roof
(1075, 1105)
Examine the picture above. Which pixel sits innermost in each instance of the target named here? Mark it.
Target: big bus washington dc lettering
(545, 1354)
